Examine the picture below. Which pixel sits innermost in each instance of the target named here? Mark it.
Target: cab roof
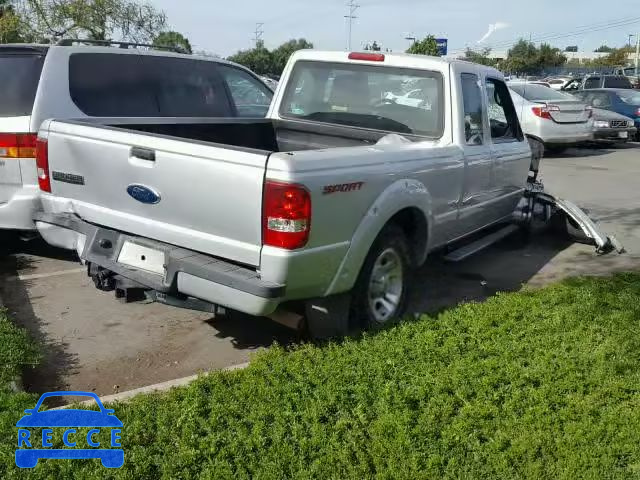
(405, 60)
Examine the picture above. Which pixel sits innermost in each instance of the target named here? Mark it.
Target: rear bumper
(17, 213)
(571, 139)
(614, 133)
(185, 272)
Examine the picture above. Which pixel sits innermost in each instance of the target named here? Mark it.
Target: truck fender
(400, 195)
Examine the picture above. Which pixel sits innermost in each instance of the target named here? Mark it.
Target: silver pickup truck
(323, 208)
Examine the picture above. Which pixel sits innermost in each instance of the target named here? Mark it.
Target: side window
(592, 82)
(502, 114)
(129, 85)
(473, 109)
(251, 98)
(189, 88)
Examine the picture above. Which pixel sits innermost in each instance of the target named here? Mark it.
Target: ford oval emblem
(143, 194)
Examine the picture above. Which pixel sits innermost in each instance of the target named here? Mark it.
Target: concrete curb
(158, 387)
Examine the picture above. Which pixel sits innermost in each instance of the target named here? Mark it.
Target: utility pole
(350, 18)
(631, 35)
(637, 52)
(258, 33)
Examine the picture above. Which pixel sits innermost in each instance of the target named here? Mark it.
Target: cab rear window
(19, 78)
(384, 98)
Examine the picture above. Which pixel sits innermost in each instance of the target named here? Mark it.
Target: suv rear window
(127, 85)
(19, 78)
(367, 96)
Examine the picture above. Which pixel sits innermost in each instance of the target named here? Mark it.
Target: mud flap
(578, 221)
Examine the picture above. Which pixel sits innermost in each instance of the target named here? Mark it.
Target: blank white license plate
(623, 134)
(144, 258)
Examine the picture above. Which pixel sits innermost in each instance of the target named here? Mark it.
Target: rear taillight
(17, 145)
(638, 113)
(286, 215)
(545, 111)
(42, 164)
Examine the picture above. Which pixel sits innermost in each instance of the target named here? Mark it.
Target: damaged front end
(538, 210)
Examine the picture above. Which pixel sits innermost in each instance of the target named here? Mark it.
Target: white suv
(68, 81)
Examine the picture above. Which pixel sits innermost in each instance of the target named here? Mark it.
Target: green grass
(538, 384)
(17, 351)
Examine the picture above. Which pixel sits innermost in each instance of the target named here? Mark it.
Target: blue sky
(223, 27)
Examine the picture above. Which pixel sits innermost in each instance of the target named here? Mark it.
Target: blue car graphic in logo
(29, 451)
(143, 194)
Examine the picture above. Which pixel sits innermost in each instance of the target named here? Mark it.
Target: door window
(502, 114)
(473, 109)
(592, 82)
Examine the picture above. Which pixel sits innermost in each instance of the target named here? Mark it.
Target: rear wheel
(380, 293)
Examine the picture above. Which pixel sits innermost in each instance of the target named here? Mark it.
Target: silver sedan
(551, 120)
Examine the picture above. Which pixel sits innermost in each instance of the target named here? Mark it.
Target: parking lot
(94, 343)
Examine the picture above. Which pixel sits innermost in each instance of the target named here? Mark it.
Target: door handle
(143, 153)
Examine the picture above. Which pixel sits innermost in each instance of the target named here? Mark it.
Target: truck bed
(206, 192)
(257, 134)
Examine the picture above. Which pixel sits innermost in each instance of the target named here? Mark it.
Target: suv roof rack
(68, 42)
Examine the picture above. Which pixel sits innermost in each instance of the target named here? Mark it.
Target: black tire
(363, 313)
(556, 150)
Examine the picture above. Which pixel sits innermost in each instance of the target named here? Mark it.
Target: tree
(522, 57)
(93, 19)
(173, 39)
(265, 62)
(282, 54)
(549, 56)
(426, 46)
(373, 47)
(10, 23)
(604, 49)
(258, 59)
(481, 57)
(617, 57)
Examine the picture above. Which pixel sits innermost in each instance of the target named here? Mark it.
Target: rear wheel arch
(413, 223)
(412, 220)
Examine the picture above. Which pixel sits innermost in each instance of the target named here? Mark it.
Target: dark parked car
(622, 101)
(611, 127)
(590, 82)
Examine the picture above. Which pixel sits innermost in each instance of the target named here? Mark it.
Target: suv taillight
(286, 215)
(42, 164)
(17, 145)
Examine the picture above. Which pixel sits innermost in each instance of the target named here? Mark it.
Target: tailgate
(192, 194)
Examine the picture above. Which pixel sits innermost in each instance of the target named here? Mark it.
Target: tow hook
(103, 279)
